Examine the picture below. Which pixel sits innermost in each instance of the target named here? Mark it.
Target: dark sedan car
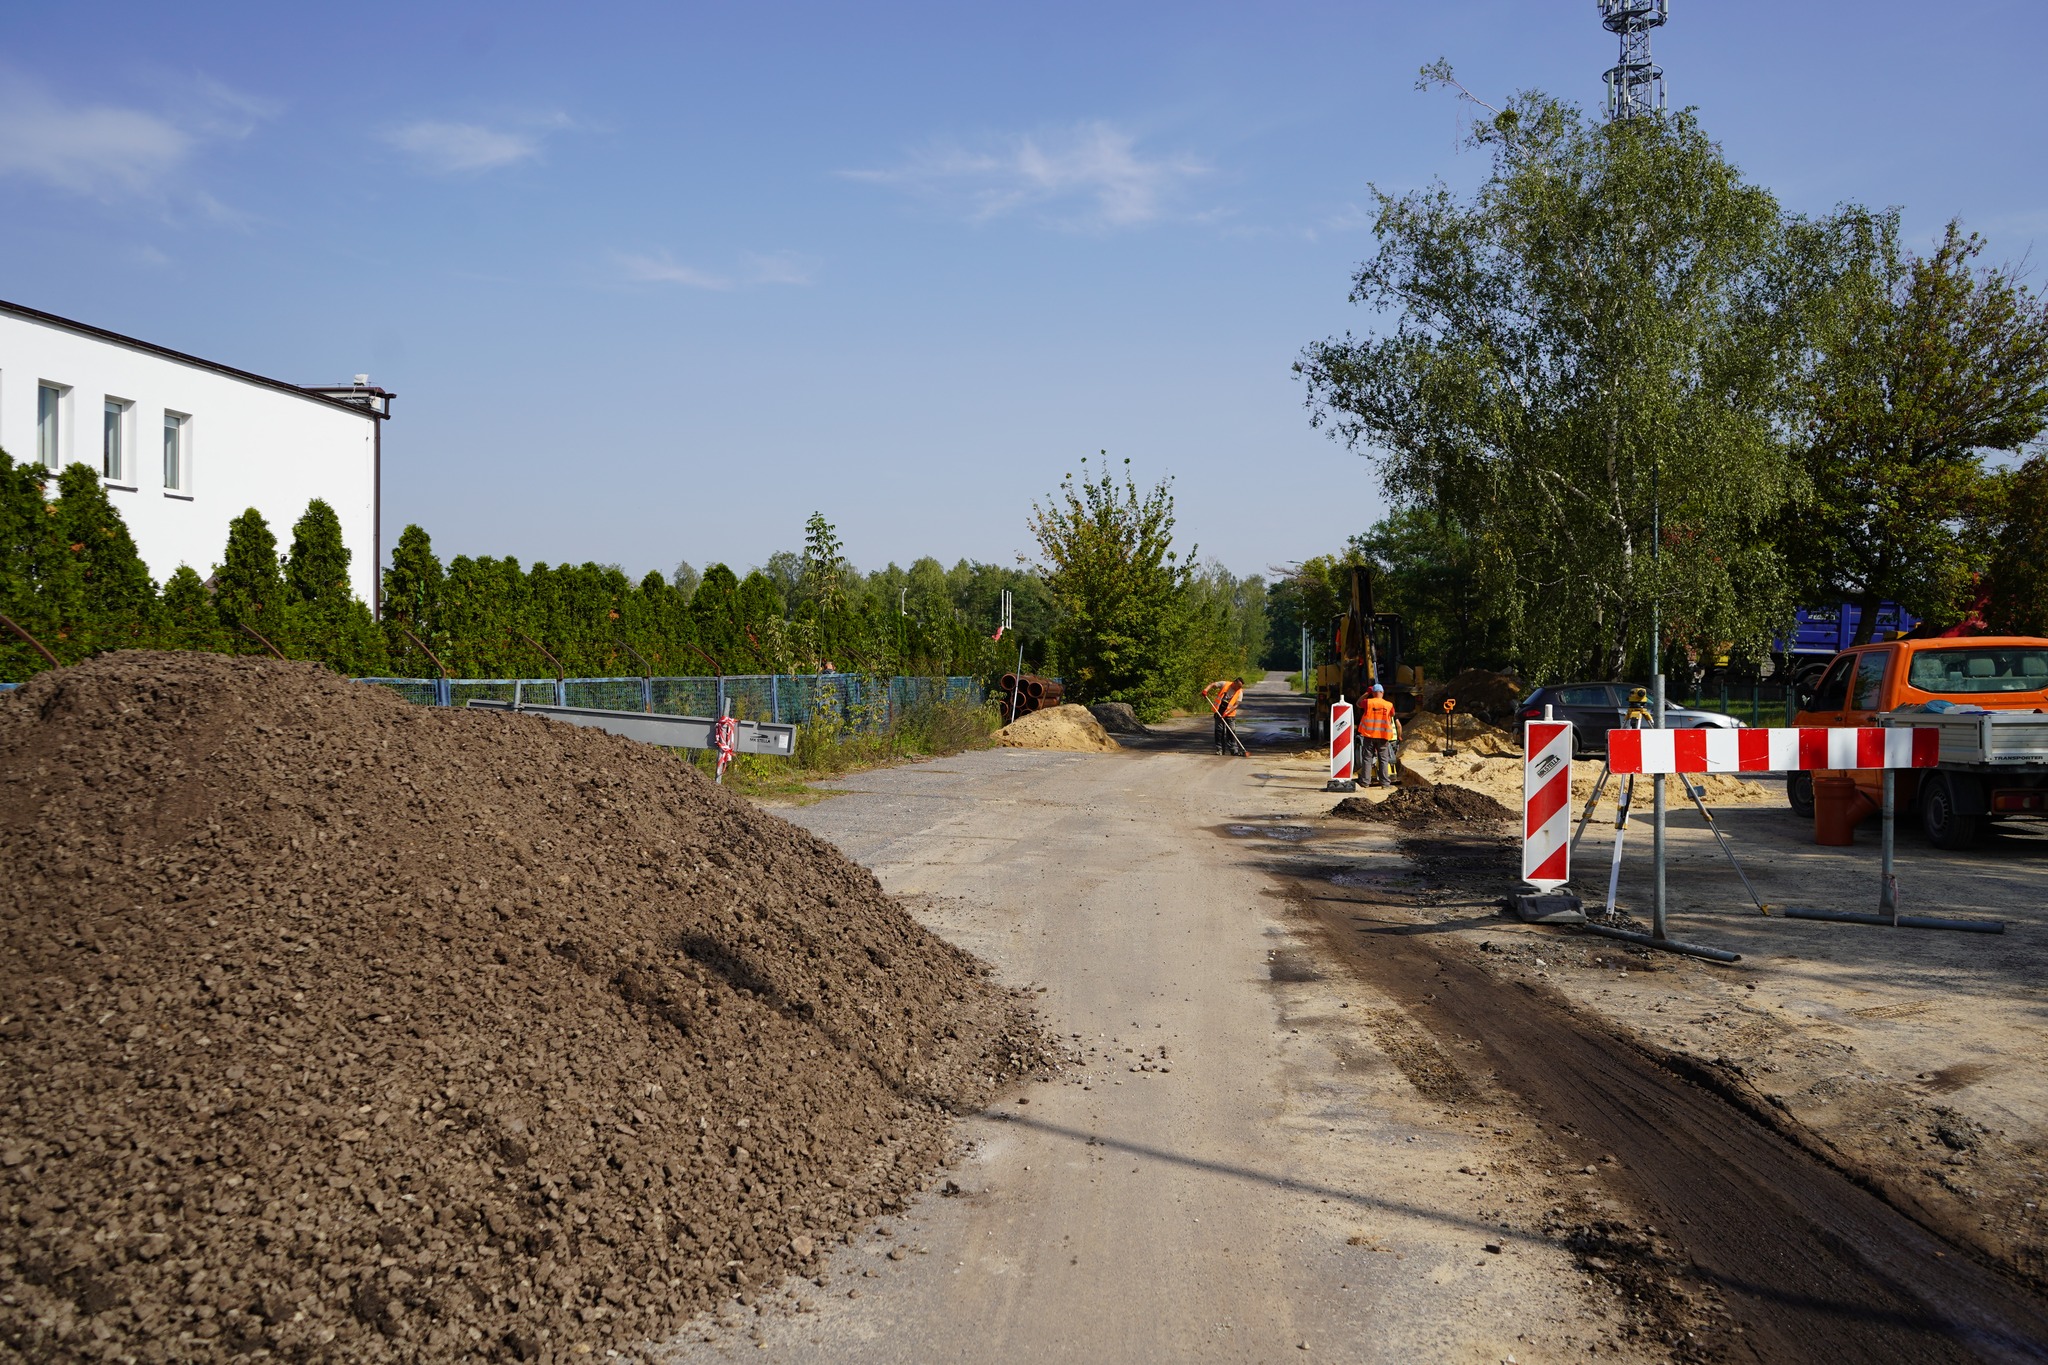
(1595, 708)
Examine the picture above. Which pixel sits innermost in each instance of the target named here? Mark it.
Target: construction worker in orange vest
(1377, 731)
(1223, 697)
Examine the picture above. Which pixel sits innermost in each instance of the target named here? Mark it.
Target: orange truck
(1986, 694)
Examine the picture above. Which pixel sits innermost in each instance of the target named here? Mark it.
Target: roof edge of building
(327, 394)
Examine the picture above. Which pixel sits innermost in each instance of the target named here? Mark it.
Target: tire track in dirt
(1814, 1267)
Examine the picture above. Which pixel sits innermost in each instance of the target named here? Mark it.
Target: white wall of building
(245, 444)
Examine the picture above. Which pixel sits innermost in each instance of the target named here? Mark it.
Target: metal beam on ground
(672, 732)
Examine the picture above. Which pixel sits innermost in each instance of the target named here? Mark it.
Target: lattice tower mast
(1635, 84)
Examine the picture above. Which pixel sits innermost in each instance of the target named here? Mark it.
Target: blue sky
(655, 282)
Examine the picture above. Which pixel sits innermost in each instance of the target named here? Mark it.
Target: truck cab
(2001, 772)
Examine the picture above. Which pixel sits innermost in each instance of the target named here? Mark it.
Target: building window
(111, 424)
(49, 408)
(175, 472)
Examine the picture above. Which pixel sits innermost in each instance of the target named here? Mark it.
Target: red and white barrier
(1341, 742)
(1546, 804)
(1771, 751)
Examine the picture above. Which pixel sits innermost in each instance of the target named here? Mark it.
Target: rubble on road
(1422, 806)
(1118, 718)
(337, 1027)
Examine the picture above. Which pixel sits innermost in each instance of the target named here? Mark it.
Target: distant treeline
(71, 577)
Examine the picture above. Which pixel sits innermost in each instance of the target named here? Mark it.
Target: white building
(186, 445)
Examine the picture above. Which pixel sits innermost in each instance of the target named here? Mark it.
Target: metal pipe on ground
(1669, 945)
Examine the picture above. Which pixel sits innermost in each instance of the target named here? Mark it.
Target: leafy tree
(118, 607)
(1920, 363)
(1600, 331)
(824, 566)
(2019, 556)
(785, 569)
(1428, 573)
(1118, 587)
(249, 591)
(41, 582)
(685, 580)
(190, 620)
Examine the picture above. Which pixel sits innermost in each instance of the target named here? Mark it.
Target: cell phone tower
(1635, 84)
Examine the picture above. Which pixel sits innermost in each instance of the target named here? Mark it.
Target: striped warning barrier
(1546, 804)
(1771, 751)
(1341, 742)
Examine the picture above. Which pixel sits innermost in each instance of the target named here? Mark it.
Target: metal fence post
(444, 692)
(721, 694)
(775, 697)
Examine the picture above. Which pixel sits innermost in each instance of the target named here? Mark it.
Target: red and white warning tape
(725, 736)
(1771, 751)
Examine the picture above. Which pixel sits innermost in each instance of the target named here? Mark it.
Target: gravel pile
(352, 1030)
(1117, 717)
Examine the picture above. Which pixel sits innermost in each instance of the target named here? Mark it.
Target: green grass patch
(826, 750)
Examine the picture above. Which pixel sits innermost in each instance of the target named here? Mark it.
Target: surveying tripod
(1638, 713)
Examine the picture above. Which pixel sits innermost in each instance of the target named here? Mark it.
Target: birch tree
(1582, 362)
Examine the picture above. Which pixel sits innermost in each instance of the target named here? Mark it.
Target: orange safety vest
(1376, 719)
(1227, 704)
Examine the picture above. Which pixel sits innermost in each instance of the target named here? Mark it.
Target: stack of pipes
(1019, 694)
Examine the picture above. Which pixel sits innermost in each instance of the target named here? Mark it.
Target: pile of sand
(339, 1028)
(1425, 731)
(1070, 728)
(1118, 718)
(1499, 775)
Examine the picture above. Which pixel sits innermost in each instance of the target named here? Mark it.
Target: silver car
(1595, 708)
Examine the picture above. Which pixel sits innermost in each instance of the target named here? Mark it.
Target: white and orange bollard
(1343, 750)
(1546, 803)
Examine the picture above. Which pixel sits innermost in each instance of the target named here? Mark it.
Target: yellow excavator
(1363, 648)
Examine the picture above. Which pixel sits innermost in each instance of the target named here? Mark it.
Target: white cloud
(778, 267)
(460, 148)
(1091, 176)
(120, 154)
(660, 269)
(100, 151)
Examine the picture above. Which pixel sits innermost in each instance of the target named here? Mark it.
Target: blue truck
(1820, 633)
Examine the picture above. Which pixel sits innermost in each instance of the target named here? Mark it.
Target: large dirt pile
(1492, 697)
(352, 1030)
(1071, 728)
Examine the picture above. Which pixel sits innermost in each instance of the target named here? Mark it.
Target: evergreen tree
(317, 567)
(328, 622)
(249, 591)
(118, 607)
(412, 604)
(41, 588)
(190, 620)
(715, 611)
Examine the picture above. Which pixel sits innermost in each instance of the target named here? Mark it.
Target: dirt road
(1303, 1118)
